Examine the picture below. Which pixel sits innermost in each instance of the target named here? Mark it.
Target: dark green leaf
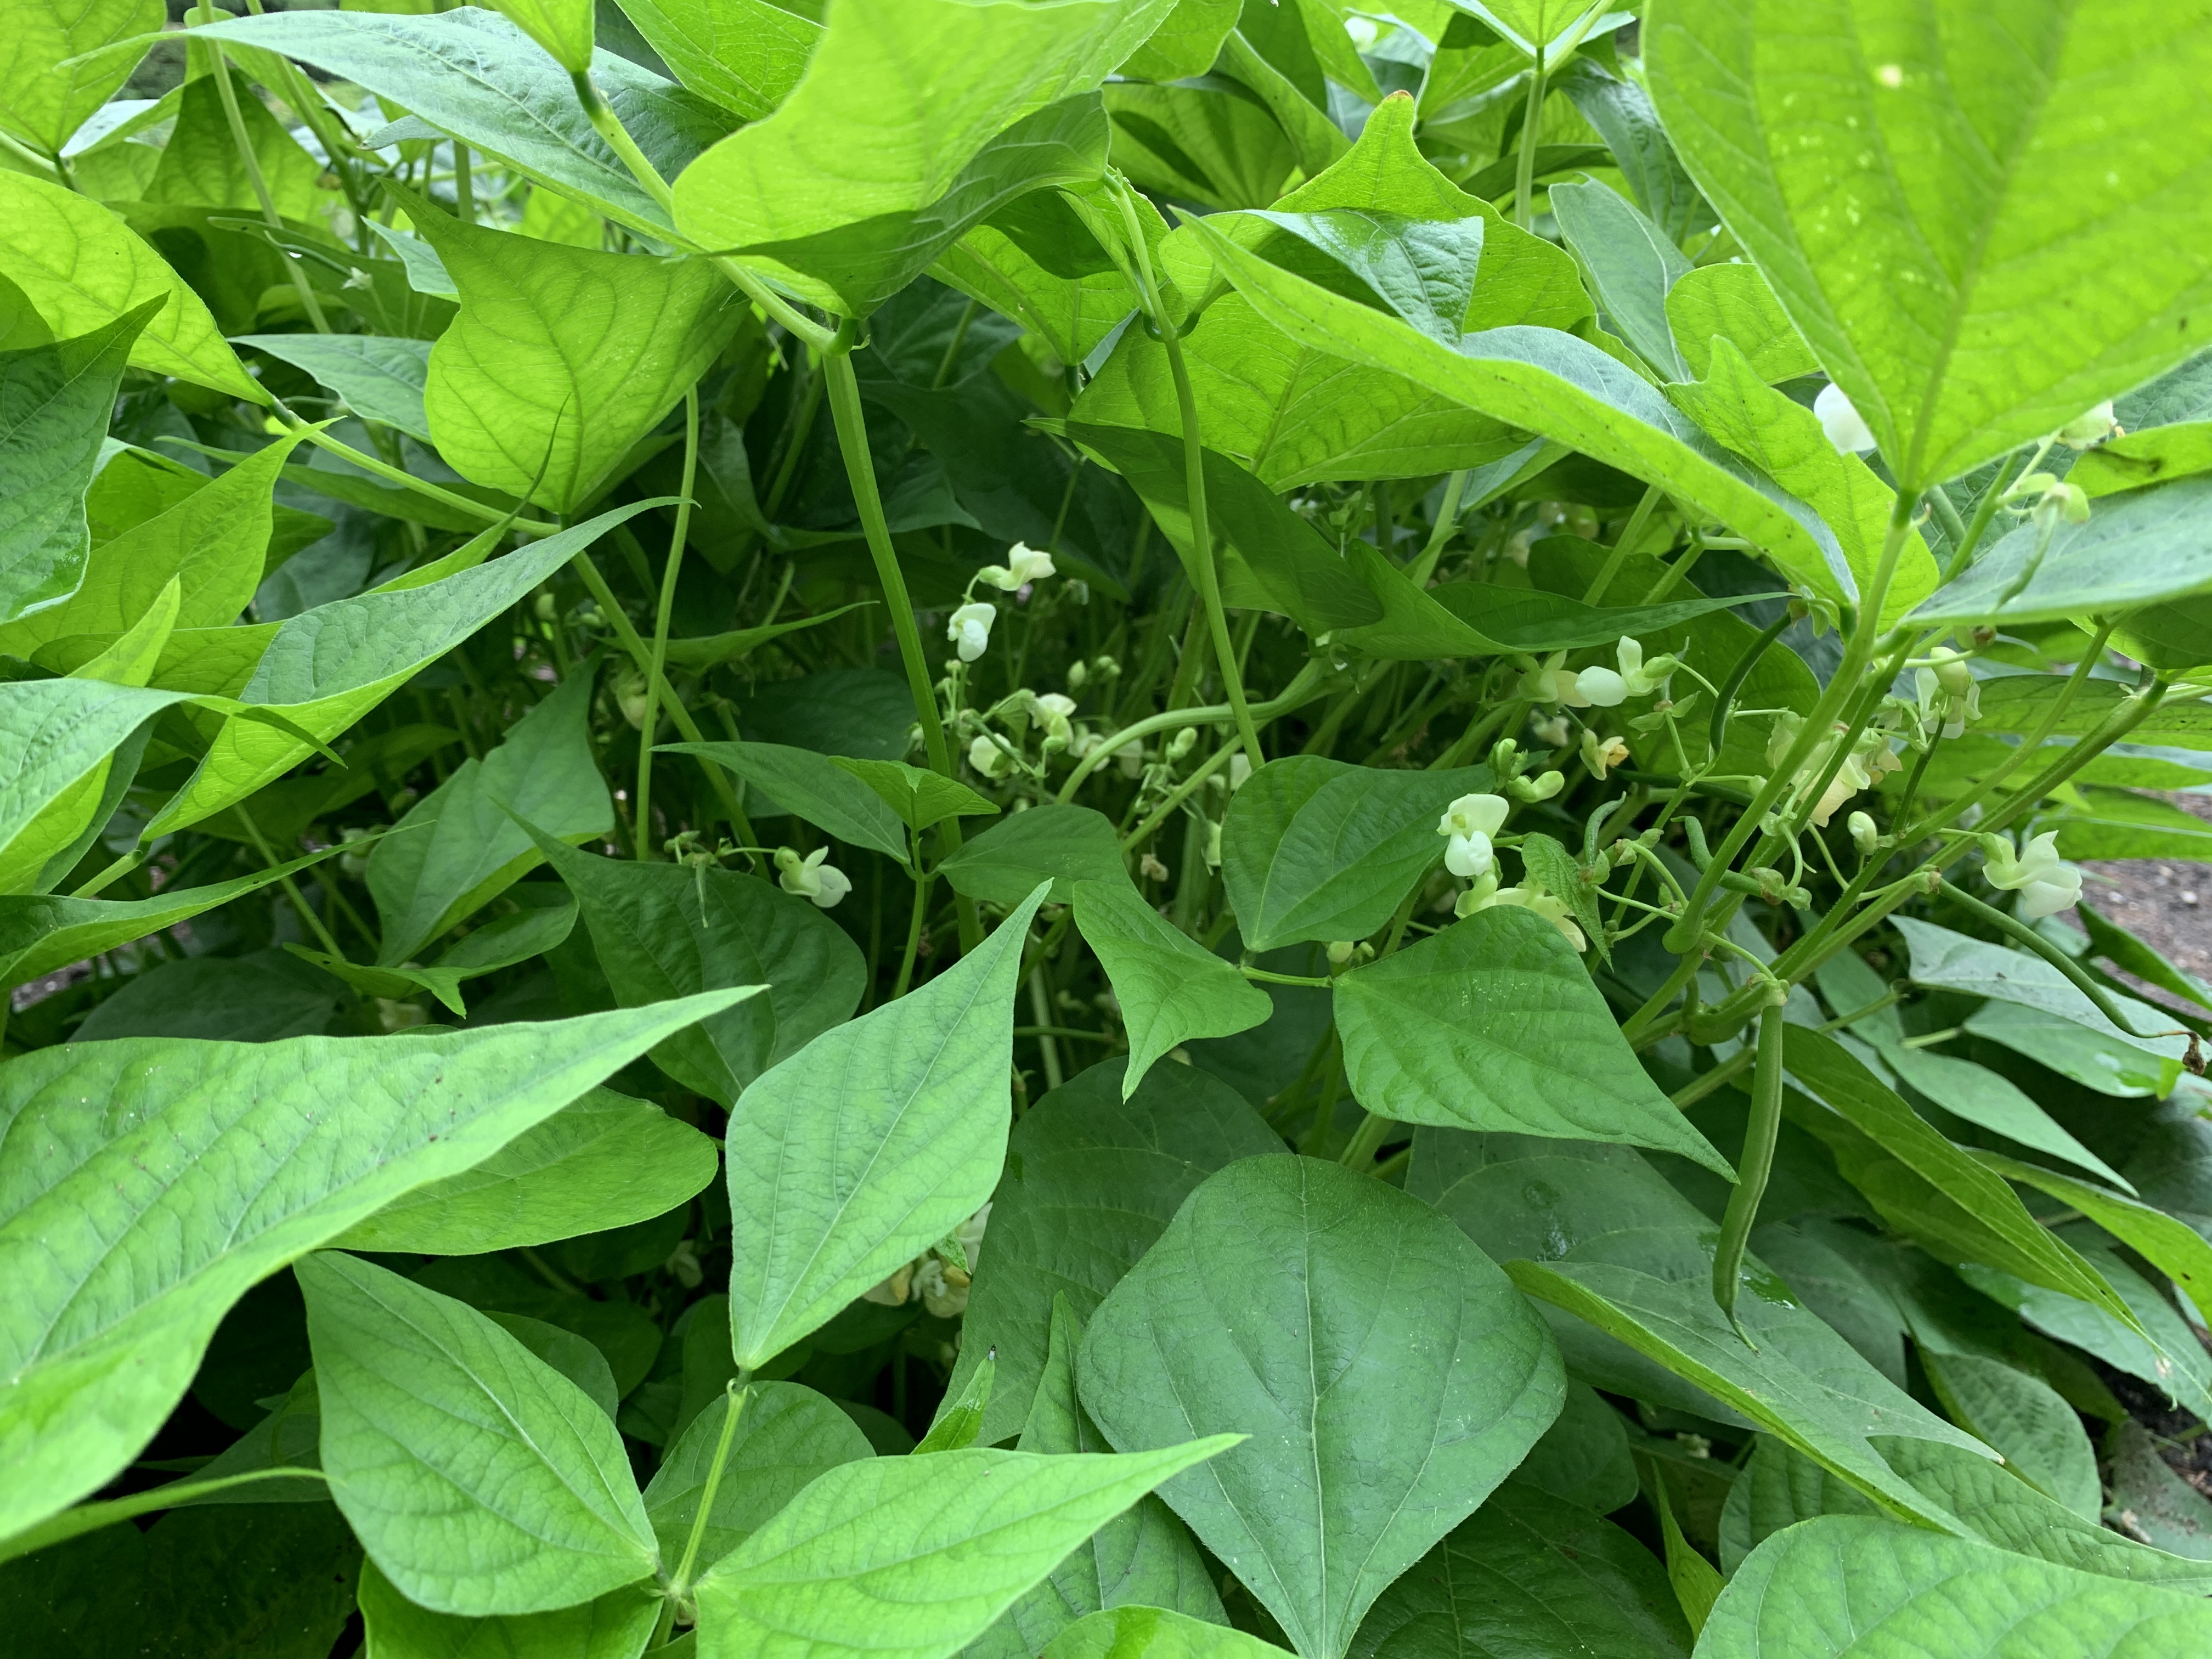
(1390, 1378)
(1170, 989)
(1063, 845)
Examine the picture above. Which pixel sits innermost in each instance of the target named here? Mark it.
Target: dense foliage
(1102, 827)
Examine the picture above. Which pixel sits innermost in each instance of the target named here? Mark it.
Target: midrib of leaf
(1962, 291)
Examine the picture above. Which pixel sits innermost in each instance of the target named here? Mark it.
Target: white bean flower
(1467, 825)
(1486, 894)
(811, 878)
(1023, 565)
(969, 629)
(1552, 683)
(1949, 685)
(1841, 421)
(986, 758)
(1053, 709)
(1642, 677)
(2046, 883)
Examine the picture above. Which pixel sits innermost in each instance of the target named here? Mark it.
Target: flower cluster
(969, 627)
(1870, 756)
(1530, 896)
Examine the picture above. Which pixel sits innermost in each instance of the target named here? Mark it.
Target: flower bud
(1340, 951)
(1542, 787)
(1078, 676)
(1864, 834)
(1182, 743)
(1601, 687)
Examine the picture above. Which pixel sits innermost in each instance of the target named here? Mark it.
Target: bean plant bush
(1108, 829)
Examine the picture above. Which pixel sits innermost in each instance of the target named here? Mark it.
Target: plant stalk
(654, 673)
(1753, 1168)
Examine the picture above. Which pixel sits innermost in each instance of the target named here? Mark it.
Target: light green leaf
(1949, 961)
(1390, 1374)
(55, 403)
(203, 166)
(920, 798)
(1493, 1024)
(1523, 1572)
(786, 1436)
(1091, 1181)
(617, 1625)
(1277, 561)
(2154, 1343)
(948, 1543)
(1143, 1557)
(2110, 1064)
(1778, 1488)
(1820, 1590)
(81, 268)
(2114, 943)
(1318, 849)
(1611, 1242)
(1734, 302)
(959, 1416)
(869, 1145)
(562, 357)
(663, 930)
(2175, 1249)
(1034, 261)
(1977, 1213)
(326, 668)
(2135, 550)
(500, 943)
(604, 1160)
(1295, 413)
(478, 1478)
(1528, 26)
(1186, 43)
(44, 104)
(225, 1185)
(2024, 1418)
(460, 846)
(1633, 267)
(1621, 111)
(2135, 459)
(745, 55)
(1782, 438)
(1061, 844)
(817, 787)
(1170, 989)
(564, 27)
(1933, 192)
(1212, 143)
(1141, 1632)
(472, 74)
(40, 934)
(381, 380)
(871, 166)
(214, 543)
(1422, 269)
(1543, 381)
(56, 736)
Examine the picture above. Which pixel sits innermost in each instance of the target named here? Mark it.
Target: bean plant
(1081, 827)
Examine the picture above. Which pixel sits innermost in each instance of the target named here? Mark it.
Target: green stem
(653, 676)
(1425, 565)
(595, 584)
(1857, 655)
(1176, 797)
(921, 887)
(1724, 700)
(1962, 555)
(1040, 1009)
(1753, 1168)
(322, 439)
(1621, 545)
(1193, 455)
(2048, 724)
(734, 1397)
(314, 923)
(252, 163)
(1525, 170)
(1721, 1075)
(113, 873)
(90, 1518)
(619, 140)
(1367, 1141)
(2021, 933)
(1294, 696)
(843, 388)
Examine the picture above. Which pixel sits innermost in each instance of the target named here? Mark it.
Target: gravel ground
(2167, 904)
